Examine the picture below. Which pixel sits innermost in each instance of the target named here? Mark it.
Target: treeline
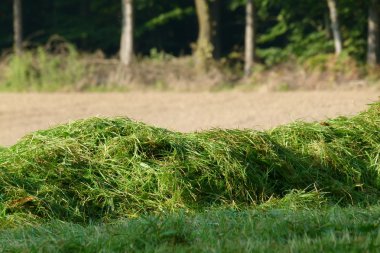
(266, 31)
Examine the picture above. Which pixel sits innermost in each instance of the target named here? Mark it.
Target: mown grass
(103, 169)
(116, 185)
(273, 230)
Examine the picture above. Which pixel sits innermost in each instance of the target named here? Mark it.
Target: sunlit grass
(102, 169)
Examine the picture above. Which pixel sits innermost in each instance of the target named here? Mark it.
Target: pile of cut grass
(98, 169)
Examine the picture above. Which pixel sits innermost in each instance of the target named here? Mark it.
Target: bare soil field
(186, 112)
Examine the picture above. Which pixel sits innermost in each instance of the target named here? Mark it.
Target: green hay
(98, 168)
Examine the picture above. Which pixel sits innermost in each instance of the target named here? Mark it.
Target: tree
(17, 26)
(249, 37)
(373, 33)
(204, 48)
(126, 44)
(335, 26)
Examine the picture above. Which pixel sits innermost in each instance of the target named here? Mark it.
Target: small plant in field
(156, 55)
(40, 70)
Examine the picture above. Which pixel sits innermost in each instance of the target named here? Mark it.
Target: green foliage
(297, 28)
(43, 71)
(164, 18)
(272, 56)
(305, 47)
(274, 32)
(165, 25)
(332, 64)
(98, 169)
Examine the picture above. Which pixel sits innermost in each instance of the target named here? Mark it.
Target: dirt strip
(23, 113)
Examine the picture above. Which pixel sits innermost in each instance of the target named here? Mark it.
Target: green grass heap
(98, 168)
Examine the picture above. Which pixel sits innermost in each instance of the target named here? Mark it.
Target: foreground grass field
(272, 230)
(313, 186)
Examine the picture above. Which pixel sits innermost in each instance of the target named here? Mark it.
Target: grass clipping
(98, 169)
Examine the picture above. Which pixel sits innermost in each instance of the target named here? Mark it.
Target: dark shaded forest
(212, 30)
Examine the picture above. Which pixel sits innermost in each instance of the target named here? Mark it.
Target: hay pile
(98, 168)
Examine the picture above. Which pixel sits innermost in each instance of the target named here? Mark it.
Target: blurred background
(328, 49)
(188, 44)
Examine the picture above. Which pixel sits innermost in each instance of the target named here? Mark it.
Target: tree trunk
(373, 33)
(17, 26)
(335, 26)
(204, 48)
(126, 45)
(249, 37)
